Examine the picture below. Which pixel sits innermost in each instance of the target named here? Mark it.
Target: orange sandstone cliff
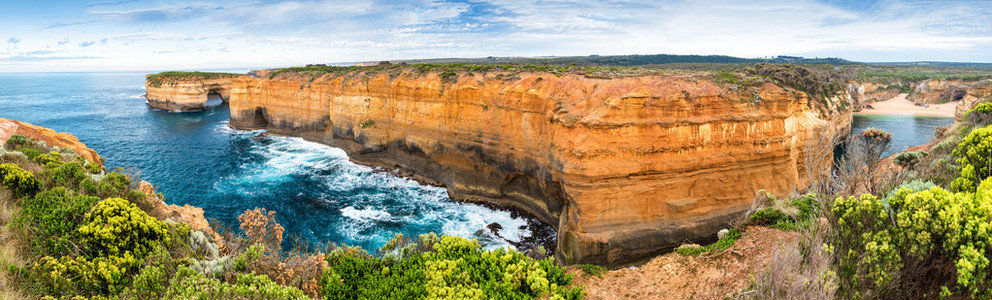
(50, 137)
(625, 168)
(189, 95)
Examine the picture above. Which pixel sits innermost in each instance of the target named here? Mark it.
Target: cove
(195, 158)
(907, 130)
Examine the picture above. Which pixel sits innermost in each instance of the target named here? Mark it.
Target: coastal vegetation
(160, 78)
(73, 231)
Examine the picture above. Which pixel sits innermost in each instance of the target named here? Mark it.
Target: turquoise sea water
(907, 130)
(196, 159)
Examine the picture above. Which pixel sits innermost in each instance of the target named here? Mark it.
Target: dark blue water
(907, 130)
(196, 159)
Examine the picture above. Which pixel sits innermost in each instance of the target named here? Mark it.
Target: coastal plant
(974, 156)
(115, 226)
(52, 217)
(593, 270)
(261, 227)
(75, 275)
(20, 181)
(718, 246)
(980, 115)
(909, 159)
(190, 284)
(69, 175)
(18, 141)
(454, 268)
(925, 243)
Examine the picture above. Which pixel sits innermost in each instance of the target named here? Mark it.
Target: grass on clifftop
(314, 71)
(159, 78)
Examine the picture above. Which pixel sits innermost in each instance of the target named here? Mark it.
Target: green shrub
(52, 157)
(190, 284)
(455, 268)
(17, 141)
(767, 216)
(69, 175)
(973, 153)
(720, 245)
(115, 226)
(924, 228)
(81, 275)
(20, 181)
(908, 159)
(92, 167)
(593, 270)
(53, 217)
(30, 153)
(150, 283)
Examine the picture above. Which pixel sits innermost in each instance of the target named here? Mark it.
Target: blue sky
(149, 35)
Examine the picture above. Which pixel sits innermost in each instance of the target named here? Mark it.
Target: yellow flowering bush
(922, 227)
(116, 226)
(20, 181)
(973, 155)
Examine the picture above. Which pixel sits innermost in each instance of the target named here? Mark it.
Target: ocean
(907, 130)
(195, 158)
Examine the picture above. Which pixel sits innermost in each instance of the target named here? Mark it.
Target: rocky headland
(625, 167)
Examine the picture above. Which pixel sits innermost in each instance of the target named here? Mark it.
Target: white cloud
(237, 33)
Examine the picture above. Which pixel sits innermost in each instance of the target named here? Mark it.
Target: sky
(151, 35)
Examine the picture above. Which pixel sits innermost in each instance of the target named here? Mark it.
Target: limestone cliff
(625, 168)
(939, 91)
(186, 94)
(975, 94)
(50, 137)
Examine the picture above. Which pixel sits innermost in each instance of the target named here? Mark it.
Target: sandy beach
(900, 106)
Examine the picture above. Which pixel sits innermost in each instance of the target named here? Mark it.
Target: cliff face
(939, 91)
(52, 138)
(185, 95)
(625, 168)
(976, 93)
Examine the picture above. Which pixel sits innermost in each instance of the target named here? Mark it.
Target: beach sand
(900, 106)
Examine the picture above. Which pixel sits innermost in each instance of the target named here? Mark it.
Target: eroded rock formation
(939, 91)
(625, 168)
(186, 95)
(976, 93)
(51, 137)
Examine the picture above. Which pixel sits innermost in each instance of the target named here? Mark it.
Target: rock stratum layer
(186, 95)
(50, 137)
(624, 168)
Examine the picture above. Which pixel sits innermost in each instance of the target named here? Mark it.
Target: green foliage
(52, 157)
(593, 270)
(69, 175)
(166, 77)
(30, 152)
(115, 226)
(874, 242)
(190, 284)
(81, 275)
(367, 123)
(53, 217)
(150, 283)
(20, 181)
(983, 108)
(18, 141)
(973, 155)
(909, 159)
(455, 268)
(92, 167)
(720, 245)
(767, 216)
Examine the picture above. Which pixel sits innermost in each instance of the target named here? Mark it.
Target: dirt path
(900, 106)
(675, 276)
